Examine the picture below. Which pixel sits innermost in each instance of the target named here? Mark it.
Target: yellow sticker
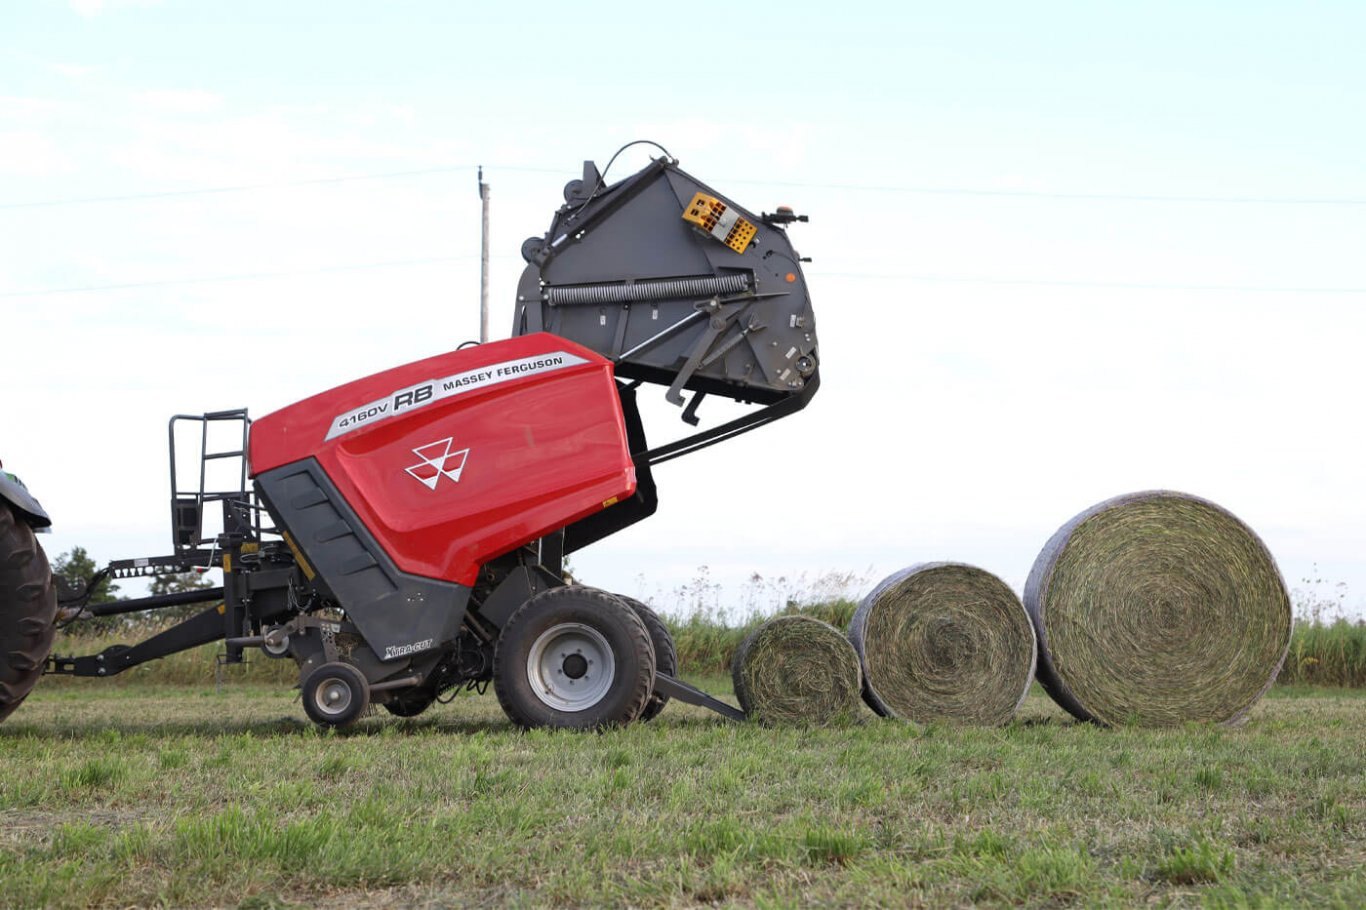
(298, 556)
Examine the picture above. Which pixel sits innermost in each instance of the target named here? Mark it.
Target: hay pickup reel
(402, 536)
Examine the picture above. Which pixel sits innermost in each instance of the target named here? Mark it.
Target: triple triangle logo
(438, 461)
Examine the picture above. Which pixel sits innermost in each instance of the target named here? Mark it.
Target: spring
(661, 289)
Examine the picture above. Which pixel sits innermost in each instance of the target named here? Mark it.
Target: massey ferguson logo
(438, 461)
(424, 394)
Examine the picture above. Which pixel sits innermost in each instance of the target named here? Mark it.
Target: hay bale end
(1158, 608)
(796, 669)
(944, 641)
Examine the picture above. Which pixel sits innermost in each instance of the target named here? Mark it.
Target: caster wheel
(335, 695)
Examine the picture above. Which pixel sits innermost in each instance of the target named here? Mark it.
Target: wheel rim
(333, 696)
(571, 667)
(281, 642)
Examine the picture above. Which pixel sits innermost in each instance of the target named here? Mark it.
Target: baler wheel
(666, 655)
(574, 658)
(335, 694)
(28, 608)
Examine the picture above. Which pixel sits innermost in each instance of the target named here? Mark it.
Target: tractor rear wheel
(28, 608)
(666, 655)
(574, 658)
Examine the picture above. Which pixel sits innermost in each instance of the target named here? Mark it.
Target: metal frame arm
(751, 421)
(199, 629)
(676, 688)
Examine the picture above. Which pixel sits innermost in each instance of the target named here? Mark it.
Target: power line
(1104, 285)
(249, 187)
(254, 276)
(1076, 197)
(851, 187)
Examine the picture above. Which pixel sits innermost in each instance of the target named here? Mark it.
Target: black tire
(550, 659)
(28, 610)
(666, 655)
(335, 694)
(410, 704)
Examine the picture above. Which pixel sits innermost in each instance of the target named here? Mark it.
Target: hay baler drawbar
(402, 537)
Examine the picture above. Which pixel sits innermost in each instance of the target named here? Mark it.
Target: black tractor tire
(410, 704)
(28, 610)
(335, 694)
(573, 658)
(666, 655)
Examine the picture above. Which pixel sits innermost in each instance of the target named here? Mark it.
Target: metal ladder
(187, 508)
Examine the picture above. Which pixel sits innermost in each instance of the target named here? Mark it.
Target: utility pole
(484, 262)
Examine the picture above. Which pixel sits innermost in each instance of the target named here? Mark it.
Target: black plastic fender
(13, 491)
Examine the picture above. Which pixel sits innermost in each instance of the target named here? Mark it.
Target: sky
(1060, 252)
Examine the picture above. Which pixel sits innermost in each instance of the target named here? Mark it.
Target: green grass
(1321, 654)
(198, 796)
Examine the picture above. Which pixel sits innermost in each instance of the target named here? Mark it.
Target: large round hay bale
(796, 669)
(1158, 608)
(944, 641)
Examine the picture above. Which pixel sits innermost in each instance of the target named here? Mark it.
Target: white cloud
(14, 107)
(178, 101)
(91, 8)
(26, 153)
(74, 70)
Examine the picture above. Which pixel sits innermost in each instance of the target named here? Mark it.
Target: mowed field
(201, 796)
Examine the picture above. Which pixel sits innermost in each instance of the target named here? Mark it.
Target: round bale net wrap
(796, 669)
(1158, 608)
(944, 641)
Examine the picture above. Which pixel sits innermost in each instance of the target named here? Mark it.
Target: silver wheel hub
(333, 696)
(571, 667)
(277, 642)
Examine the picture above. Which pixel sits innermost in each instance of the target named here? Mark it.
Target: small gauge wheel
(335, 694)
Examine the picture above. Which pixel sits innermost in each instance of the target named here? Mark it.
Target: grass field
(189, 796)
(1321, 653)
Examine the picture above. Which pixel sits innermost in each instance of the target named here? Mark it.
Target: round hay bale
(796, 669)
(1158, 608)
(944, 641)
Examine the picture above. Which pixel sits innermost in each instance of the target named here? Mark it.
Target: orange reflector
(610, 502)
(790, 277)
